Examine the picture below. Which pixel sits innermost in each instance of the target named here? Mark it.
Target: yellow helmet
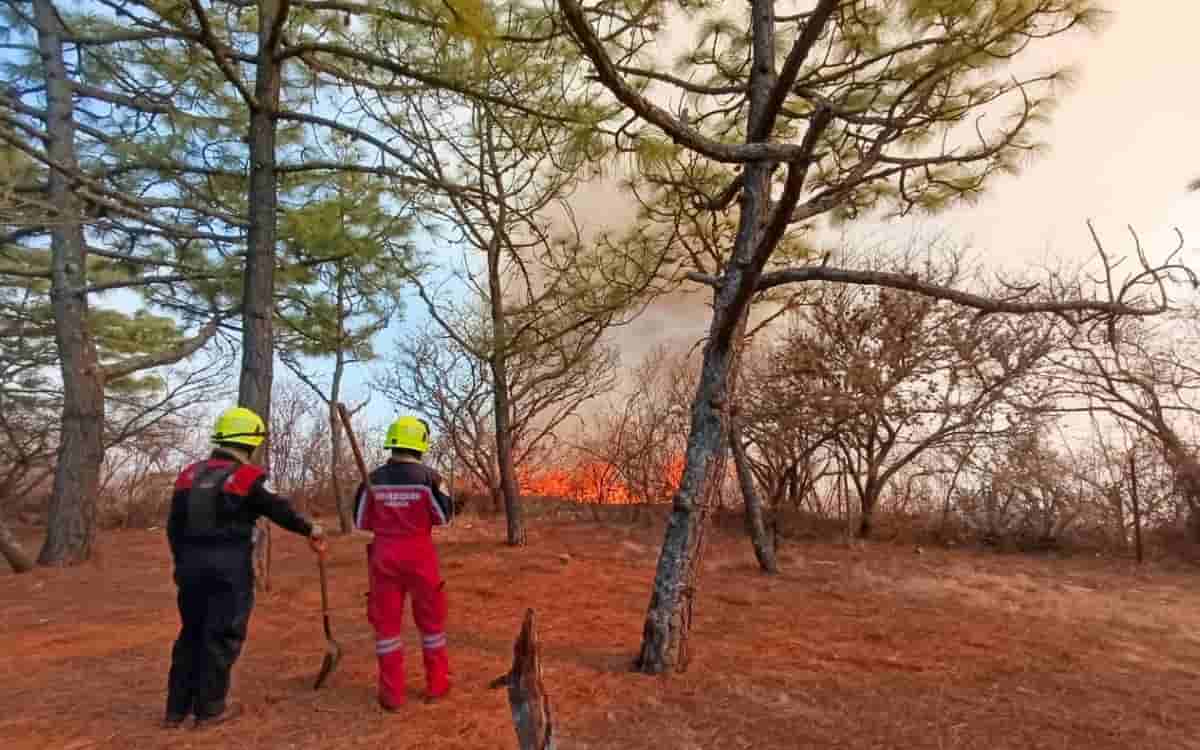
(241, 426)
(408, 433)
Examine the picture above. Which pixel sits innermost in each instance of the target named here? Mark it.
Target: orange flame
(598, 482)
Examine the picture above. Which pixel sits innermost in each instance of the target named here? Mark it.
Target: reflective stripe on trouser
(391, 672)
(386, 613)
(388, 645)
(437, 661)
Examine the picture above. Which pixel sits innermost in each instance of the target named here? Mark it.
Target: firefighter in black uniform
(210, 529)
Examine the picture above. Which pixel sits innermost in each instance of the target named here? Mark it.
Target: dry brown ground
(868, 647)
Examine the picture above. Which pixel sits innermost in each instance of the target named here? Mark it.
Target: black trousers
(216, 596)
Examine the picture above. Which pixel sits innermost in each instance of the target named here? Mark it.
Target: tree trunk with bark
(71, 530)
(761, 537)
(258, 293)
(509, 490)
(669, 617)
(501, 405)
(11, 550)
(793, 488)
(258, 290)
(344, 505)
(868, 503)
(513, 512)
(1137, 508)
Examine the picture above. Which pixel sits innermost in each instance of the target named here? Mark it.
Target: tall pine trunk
(345, 505)
(258, 290)
(258, 294)
(672, 600)
(509, 490)
(71, 521)
(501, 403)
(669, 617)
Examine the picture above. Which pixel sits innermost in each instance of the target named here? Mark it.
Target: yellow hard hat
(241, 426)
(409, 433)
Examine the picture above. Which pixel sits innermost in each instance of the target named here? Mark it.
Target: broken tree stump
(526, 693)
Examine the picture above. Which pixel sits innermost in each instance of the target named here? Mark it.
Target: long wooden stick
(358, 457)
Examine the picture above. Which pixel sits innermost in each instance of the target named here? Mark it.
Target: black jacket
(218, 501)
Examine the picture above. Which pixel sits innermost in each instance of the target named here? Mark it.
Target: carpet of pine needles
(869, 646)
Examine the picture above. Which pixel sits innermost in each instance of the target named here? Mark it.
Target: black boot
(173, 721)
(233, 711)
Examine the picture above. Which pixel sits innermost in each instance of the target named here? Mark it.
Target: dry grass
(864, 647)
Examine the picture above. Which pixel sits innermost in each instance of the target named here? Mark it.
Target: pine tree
(85, 206)
(831, 111)
(337, 306)
(539, 297)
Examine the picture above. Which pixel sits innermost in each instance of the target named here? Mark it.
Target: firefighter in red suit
(406, 501)
(210, 530)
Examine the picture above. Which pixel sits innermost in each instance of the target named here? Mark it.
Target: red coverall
(408, 502)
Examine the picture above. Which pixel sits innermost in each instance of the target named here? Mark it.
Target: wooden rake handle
(358, 457)
(324, 595)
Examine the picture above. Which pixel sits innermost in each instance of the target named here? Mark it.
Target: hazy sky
(1124, 143)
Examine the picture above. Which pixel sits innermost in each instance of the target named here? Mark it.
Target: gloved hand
(316, 539)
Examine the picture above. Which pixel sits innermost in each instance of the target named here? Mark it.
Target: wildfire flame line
(600, 482)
